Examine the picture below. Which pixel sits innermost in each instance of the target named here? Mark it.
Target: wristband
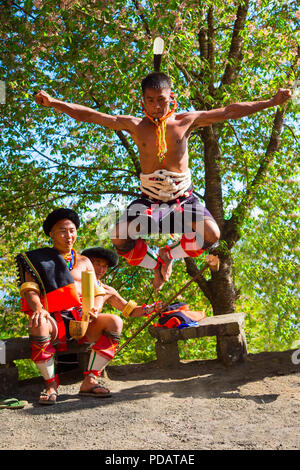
(128, 308)
(149, 309)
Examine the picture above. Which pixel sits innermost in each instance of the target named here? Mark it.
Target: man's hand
(43, 98)
(38, 318)
(159, 306)
(282, 95)
(93, 313)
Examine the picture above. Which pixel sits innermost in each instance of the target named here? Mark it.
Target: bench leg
(83, 361)
(167, 354)
(8, 379)
(232, 349)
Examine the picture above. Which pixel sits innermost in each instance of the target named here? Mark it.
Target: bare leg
(166, 268)
(210, 231)
(158, 280)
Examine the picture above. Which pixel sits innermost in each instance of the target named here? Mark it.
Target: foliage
(95, 54)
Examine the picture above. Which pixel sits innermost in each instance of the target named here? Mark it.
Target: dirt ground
(202, 405)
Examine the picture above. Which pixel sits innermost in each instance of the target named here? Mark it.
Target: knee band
(107, 344)
(190, 246)
(141, 255)
(41, 348)
(103, 351)
(186, 247)
(42, 354)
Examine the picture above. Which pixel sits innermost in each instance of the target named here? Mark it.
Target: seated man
(51, 294)
(102, 259)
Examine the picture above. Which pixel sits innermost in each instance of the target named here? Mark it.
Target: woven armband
(26, 286)
(128, 308)
(99, 290)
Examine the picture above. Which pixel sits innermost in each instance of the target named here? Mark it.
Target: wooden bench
(231, 339)
(19, 348)
(231, 346)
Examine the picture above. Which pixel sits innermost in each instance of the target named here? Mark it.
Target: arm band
(128, 308)
(27, 286)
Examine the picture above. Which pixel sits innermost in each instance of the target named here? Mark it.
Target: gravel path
(201, 405)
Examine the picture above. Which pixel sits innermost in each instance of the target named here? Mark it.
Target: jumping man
(167, 202)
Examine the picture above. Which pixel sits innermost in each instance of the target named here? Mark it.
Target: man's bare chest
(147, 137)
(77, 270)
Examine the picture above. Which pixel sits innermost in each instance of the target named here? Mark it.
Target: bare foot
(213, 262)
(166, 268)
(91, 386)
(158, 280)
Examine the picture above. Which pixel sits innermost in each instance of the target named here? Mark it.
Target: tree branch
(211, 48)
(13, 4)
(103, 20)
(145, 24)
(126, 145)
(236, 45)
(213, 184)
(189, 79)
(130, 151)
(231, 234)
(202, 38)
(192, 270)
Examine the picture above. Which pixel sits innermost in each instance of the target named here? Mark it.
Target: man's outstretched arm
(237, 110)
(85, 114)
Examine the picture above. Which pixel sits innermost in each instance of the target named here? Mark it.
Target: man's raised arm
(237, 110)
(85, 114)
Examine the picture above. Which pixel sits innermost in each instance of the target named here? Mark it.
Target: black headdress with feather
(158, 47)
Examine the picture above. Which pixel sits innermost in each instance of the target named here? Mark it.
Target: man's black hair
(103, 253)
(156, 80)
(60, 214)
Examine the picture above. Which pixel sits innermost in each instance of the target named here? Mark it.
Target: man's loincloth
(154, 216)
(61, 326)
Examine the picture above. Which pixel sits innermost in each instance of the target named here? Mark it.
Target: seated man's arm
(114, 299)
(86, 114)
(39, 314)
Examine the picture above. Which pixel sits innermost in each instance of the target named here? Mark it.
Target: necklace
(70, 259)
(161, 124)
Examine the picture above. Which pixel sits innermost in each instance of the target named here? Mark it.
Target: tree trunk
(219, 289)
(223, 291)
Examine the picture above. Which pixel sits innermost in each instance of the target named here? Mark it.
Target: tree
(96, 53)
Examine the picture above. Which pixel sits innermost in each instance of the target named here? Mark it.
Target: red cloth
(106, 346)
(41, 352)
(60, 299)
(190, 246)
(137, 254)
